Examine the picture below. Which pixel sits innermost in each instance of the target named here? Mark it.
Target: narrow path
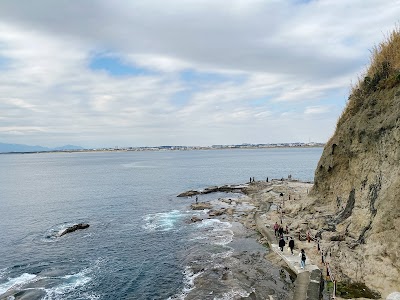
(307, 284)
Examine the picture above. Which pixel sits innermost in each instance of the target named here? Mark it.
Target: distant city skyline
(11, 148)
(172, 72)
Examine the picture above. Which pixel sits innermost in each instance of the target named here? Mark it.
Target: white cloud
(281, 65)
(316, 110)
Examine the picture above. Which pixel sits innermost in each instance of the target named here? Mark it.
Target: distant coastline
(178, 148)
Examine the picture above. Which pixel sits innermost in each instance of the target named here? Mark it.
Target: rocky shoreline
(289, 202)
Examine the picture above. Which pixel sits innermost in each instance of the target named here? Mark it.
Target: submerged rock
(75, 228)
(195, 219)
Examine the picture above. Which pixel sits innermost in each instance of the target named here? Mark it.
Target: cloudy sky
(182, 72)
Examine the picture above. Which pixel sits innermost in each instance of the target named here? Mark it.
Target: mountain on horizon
(7, 148)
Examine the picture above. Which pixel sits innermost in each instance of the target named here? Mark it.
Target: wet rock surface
(75, 228)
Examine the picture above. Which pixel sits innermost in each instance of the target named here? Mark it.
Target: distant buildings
(173, 148)
(213, 147)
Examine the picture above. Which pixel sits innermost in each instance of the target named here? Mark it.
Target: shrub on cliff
(382, 74)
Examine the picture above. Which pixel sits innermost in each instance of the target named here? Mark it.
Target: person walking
(282, 243)
(280, 230)
(276, 227)
(303, 258)
(291, 245)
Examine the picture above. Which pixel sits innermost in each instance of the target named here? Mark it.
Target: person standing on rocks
(282, 243)
(197, 199)
(291, 245)
(303, 258)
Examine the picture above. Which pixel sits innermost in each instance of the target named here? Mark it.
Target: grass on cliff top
(384, 70)
(382, 74)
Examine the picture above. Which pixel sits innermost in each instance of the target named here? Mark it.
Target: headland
(290, 204)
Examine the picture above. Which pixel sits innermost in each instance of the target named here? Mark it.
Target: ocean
(140, 244)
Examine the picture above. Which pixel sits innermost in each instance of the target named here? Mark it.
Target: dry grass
(384, 70)
(382, 74)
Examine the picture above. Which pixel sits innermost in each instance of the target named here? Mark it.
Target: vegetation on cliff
(358, 176)
(383, 74)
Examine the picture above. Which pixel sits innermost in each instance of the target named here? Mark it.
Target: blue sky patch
(181, 98)
(4, 62)
(116, 67)
(259, 102)
(192, 76)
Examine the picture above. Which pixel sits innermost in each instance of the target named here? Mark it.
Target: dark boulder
(195, 219)
(74, 228)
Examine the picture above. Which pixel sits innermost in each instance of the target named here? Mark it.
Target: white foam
(233, 294)
(188, 284)
(214, 223)
(162, 221)
(16, 282)
(189, 279)
(225, 254)
(70, 283)
(3, 273)
(223, 239)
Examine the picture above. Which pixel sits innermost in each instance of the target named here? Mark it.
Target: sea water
(140, 244)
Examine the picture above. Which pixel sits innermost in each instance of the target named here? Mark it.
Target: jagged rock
(211, 189)
(214, 213)
(189, 193)
(214, 189)
(201, 206)
(230, 211)
(195, 219)
(75, 228)
(338, 238)
(357, 178)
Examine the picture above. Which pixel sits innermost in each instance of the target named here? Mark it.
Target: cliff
(357, 180)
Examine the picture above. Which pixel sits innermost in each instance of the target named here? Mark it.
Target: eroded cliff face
(357, 183)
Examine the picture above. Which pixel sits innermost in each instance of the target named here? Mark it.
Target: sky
(133, 73)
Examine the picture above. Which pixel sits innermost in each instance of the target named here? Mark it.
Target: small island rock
(75, 228)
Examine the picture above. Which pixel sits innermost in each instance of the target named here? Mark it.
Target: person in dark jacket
(303, 258)
(280, 230)
(282, 243)
(291, 245)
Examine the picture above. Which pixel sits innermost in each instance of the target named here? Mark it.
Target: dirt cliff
(357, 180)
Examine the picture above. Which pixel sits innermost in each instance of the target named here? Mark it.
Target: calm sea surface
(135, 245)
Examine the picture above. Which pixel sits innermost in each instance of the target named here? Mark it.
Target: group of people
(279, 231)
